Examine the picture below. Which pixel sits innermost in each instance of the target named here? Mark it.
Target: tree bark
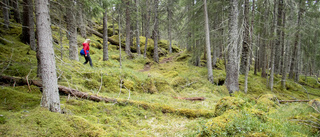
(16, 11)
(82, 24)
(148, 13)
(245, 61)
(5, 12)
(138, 28)
(32, 35)
(232, 70)
(155, 32)
(128, 29)
(105, 36)
(209, 63)
(169, 25)
(50, 98)
(72, 32)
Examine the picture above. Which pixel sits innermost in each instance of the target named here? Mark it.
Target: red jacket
(86, 48)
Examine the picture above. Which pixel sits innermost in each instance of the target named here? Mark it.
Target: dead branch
(191, 98)
(62, 89)
(112, 41)
(290, 101)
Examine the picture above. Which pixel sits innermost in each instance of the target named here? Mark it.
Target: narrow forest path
(147, 66)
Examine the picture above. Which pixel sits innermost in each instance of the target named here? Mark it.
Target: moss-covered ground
(146, 105)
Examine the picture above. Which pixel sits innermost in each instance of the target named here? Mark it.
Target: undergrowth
(147, 104)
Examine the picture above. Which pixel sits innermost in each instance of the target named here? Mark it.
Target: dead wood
(112, 41)
(62, 89)
(191, 98)
(290, 101)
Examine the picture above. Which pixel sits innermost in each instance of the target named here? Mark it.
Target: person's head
(87, 41)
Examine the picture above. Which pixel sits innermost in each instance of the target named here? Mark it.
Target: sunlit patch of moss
(178, 81)
(115, 57)
(228, 103)
(183, 57)
(171, 74)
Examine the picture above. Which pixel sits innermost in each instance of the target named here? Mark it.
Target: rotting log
(191, 98)
(290, 101)
(112, 41)
(62, 89)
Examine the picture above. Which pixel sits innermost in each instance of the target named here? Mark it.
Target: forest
(160, 68)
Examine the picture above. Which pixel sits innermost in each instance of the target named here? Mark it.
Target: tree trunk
(284, 55)
(50, 98)
(5, 12)
(209, 63)
(128, 29)
(245, 61)
(25, 37)
(148, 13)
(245, 43)
(32, 37)
(169, 25)
(82, 23)
(72, 32)
(138, 29)
(155, 32)
(120, 40)
(232, 70)
(16, 11)
(105, 37)
(273, 45)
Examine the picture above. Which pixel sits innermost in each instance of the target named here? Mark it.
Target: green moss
(171, 74)
(115, 57)
(178, 81)
(267, 102)
(228, 103)
(183, 57)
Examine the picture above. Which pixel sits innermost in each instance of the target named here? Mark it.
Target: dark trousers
(88, 58)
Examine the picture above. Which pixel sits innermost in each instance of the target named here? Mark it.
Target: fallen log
(112, 41)
(191, 98)
(290, 101)
(62, 89)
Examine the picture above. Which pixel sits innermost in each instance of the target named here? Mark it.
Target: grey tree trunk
(246, 46)
(82, 24)
(206, 28)
(105, 37)
(32, 35)
(50, 98)
(128, 29)
(25, 37)
(284, 55)
(138, 28)
(155, 32)
(169, 25)
(120, 40)
(232, 70)
(16, 11)
(273, 47)
(72, 32)
(148, 13)
(5, 12)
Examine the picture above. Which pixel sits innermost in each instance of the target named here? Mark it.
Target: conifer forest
(150, 68)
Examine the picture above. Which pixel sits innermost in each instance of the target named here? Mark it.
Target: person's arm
(85, 48)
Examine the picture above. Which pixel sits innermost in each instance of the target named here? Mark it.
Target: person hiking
(86, 49)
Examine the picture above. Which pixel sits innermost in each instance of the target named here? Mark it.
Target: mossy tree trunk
(50, 98)
(232, 70)
(155, 32)
(105, 36)
(72, 31)
(245, 61)
(209, 63)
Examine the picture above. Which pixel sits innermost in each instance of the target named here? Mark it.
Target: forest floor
(147, 95)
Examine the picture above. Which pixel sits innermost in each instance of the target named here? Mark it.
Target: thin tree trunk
(169, 25)
(72, 32)
(148, 13)
(232, 70)
(209, 65)
(5, 12)
(120, 62)
(50, 98)
(246, 46)
(82, 23)
(105, 37)
(156, 32)
(32, 37)
(273, 45)
(128, 29)
(284, 55)
(25, 22)
(138, 29)
(16, 11)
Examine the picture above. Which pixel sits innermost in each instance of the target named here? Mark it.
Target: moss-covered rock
(183, 57)
(228, 103)
(267, 102)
